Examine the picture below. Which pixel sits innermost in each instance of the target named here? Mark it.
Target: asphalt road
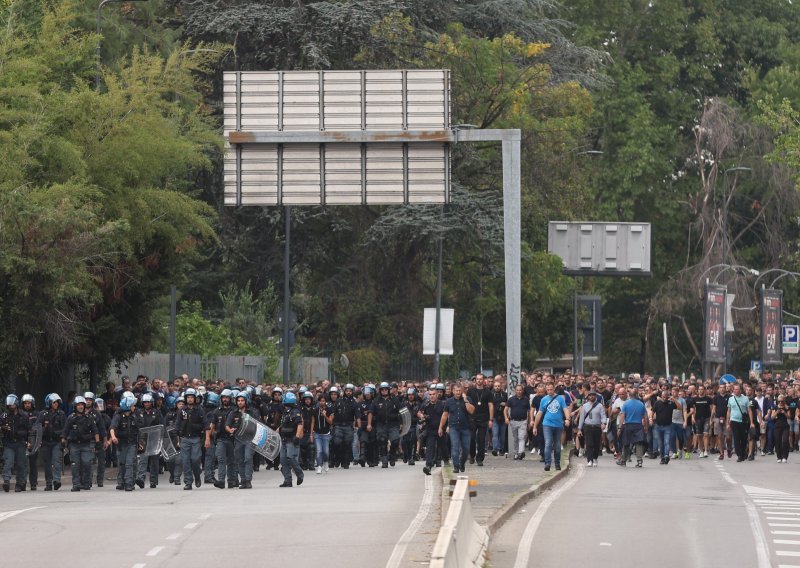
(700, 513)
(369, 510)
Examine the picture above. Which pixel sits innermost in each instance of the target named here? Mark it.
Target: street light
(97, 47)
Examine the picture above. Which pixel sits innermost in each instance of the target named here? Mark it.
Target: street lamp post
(97, 47)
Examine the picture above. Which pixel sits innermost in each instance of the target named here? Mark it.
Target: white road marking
(8, 514)
(787, 553)
(790, 525)
(190, 526)
(139, 565)
(791, 542)
(762, 550)
(782, 519)
(205, 516)
(788, 566)
(408, 536)
(786, 513)
(524, 550)
(725, 474)
(154, 551)
(753, 491)
(174, 536)
(605, 544)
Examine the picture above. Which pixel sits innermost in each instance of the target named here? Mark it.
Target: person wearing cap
(780, 416)
(592, 420)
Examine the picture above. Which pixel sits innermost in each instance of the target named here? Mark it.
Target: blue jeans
(190, 454)
(225, 460)
(126, 453)
(679, 436)
(552, 443)
(663, 436)
(322, 444)
(499, 436)
(459, 444)
(290, 461)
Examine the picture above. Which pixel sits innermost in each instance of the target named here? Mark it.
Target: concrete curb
(518, 501)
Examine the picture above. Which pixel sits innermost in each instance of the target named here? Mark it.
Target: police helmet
(369, 390)
(128, 393)
(147, 398)
(290, 398)
(12, 400)
(79, 400)
(212, 400)
(334, 390)
(180, 399)
(125, 403)
(172, 402)
(302, 389)
(384, 385)
(235, 393)
(278, 390)
(190, 392)
(258, 390)
(50, 398)
(226, 392)
(251, 390)
(440, 386)
(410, 391)
(29, 398)
(100, 404)
(245, 395)
(88, 395)
(307, 394)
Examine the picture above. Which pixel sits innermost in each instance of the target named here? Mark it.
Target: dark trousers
(225, 460)
(782, 440)
(53, 462)
(81, 456)
(592, 436)
(433, 447)
(33, 470)
(739, 432)
(342, 444)
(477, 443)
(409, 444)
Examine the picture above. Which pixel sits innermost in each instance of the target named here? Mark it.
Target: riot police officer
(409, 441)
(52, 421)
(15, 427)
(291, 432)
(29, 407)
(191, 424)
(210, 404)
(343, 411)
(174, 464)
(243, 451)
(99, 452)
(368, 447)
(384, 418)
(149, 415)
(80, 432)
(125, 435)
(271, 414)
(224, 451)
(308, 410)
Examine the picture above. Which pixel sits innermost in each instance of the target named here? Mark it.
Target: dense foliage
(679, 113)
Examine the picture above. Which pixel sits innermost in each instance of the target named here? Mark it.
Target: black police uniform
(386, 421)
(80, 432)
(344, 415)
(290, 445)
(52, 423)
(15, 428)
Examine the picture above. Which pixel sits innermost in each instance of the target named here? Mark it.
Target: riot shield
(151, 438)
(35, 439)
(168, 438)
(262, 438)
(405, 421)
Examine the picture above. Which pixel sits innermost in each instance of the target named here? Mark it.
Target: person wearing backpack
(553, 417)
(591, 421)
(740, 420)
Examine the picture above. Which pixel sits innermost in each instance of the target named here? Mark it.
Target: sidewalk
(505, 485)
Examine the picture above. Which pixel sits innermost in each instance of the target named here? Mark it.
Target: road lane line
(174, 536)
(790, 525)
(424, 508)
(762, 549)
(190, 526)
(154, 551)
(787, 552)
(791, 542)
(794, 533)
(782, 519)
(8, 514)
(524, 550)
(139, 565)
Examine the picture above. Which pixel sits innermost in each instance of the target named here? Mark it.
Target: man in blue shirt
(553, 415)
(633, 419)
(456, 416)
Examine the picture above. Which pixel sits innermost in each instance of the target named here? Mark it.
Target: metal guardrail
(461, 542)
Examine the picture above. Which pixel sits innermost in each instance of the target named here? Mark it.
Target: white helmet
(28, 398)
(87, 395)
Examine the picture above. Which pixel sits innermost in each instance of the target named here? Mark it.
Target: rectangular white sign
(447, 317)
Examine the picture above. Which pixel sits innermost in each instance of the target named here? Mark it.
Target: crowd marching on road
(324, 426)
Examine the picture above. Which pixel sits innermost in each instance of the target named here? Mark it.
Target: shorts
(718, 426)
(702, 426)
(755, 433)
(763, 427)
(794, 425)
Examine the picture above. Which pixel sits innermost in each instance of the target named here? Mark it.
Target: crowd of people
(323, 426)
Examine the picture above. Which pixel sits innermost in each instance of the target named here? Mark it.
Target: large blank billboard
(601, 249)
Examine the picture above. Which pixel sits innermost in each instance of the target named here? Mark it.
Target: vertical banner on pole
(714, 324)
(771, 322)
